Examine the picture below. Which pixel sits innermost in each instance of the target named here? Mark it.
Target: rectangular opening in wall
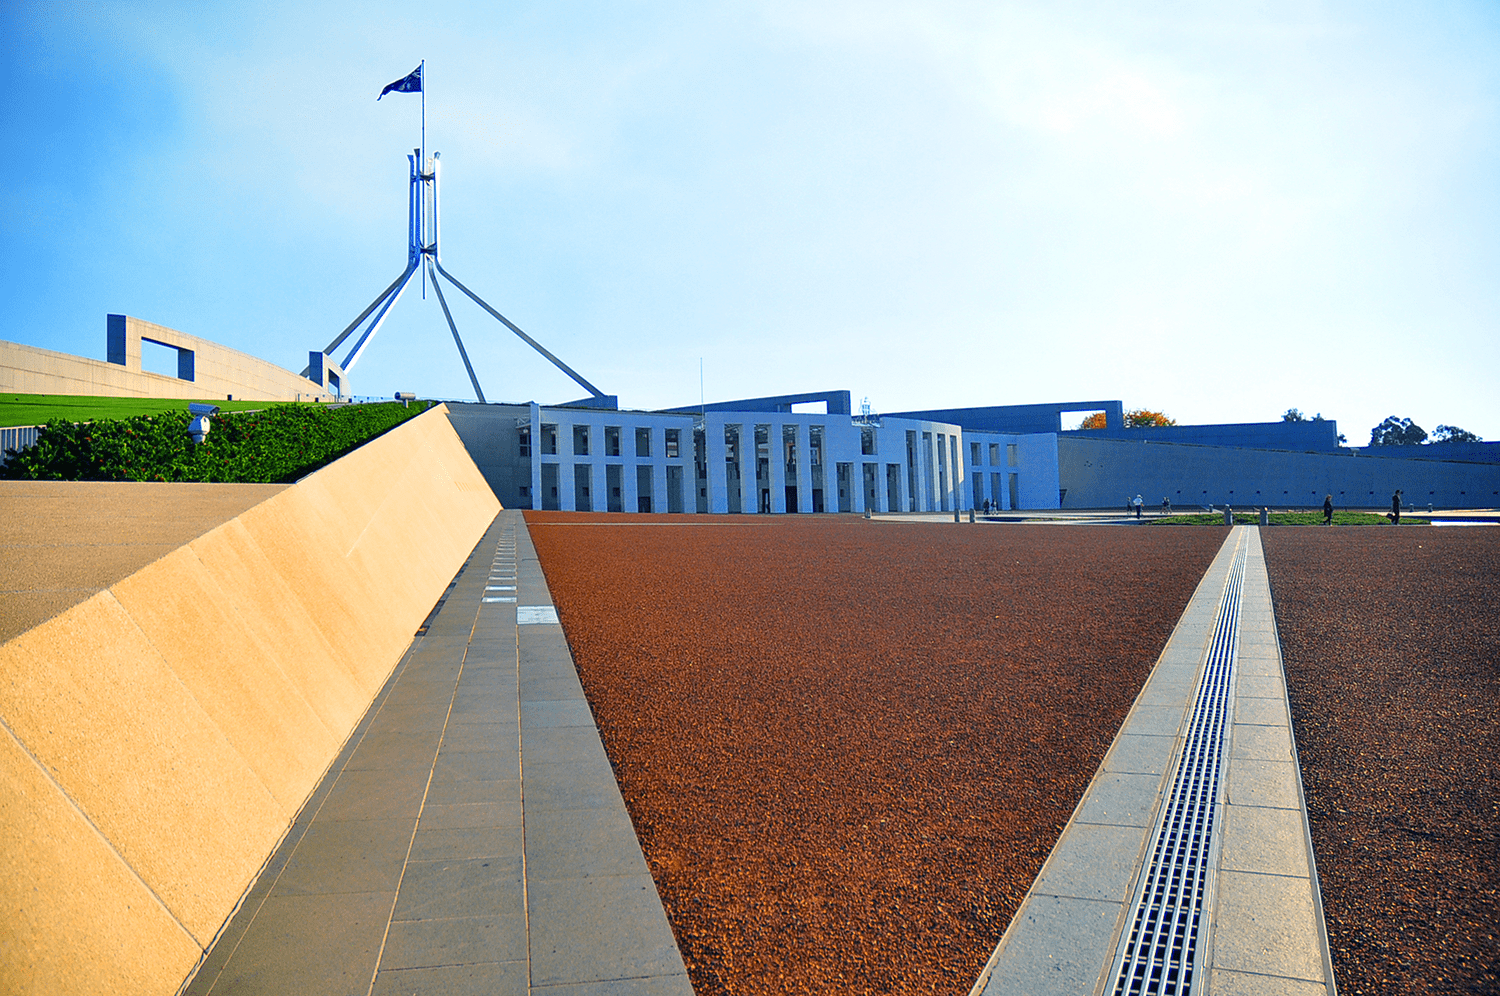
(159, 358)
(582, 500)
(995, 489)
(1015, 490)
(523, 441)
(612, 440)
(1012, 455)
(550, 501)
(845, 473)
(580, 440)
(789, 452)
(614, 483)
(974, 453)
(732, 467)
(674, 444)
(893, 486)
(643, 442)
(911, 470)
(872, 495)
(700, 468)
(994, 454)
(549, 440)
(674, 487)
(867, 441)
(643, 488)
(1083, 418)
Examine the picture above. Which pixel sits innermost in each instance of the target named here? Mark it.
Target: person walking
(1328, 510)
(1396, 508)
(1138, 503)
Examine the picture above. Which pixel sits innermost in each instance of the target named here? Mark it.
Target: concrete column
(659, 500)
(718, 474)
(536, 456)
(567, 495)
(629, 493)
(804, 469)
(598, 485)
(777, 468)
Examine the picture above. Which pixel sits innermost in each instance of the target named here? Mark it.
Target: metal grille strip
(1159, 952)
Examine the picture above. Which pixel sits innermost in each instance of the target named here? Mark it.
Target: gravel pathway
(848, 746)
(1391, 642)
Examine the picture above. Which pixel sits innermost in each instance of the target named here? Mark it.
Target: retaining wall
(1104, 473)
(158, 738)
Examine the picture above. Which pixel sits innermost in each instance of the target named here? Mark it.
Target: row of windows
(581, 441)
(1012, 454)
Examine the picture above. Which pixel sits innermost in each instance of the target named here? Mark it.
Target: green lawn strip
(38, 409)
(281, 442)
(1286, 519)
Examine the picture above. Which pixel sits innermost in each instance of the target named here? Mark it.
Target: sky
(1215, 210)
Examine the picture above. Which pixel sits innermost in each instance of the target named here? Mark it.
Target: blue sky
(1216, 210)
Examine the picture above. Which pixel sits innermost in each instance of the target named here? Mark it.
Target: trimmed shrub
(277, 444)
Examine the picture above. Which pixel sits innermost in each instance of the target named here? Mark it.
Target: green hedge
(278, 443)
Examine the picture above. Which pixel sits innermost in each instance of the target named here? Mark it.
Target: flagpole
(422, 77)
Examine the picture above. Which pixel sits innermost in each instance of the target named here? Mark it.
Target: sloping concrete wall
(218, 371)
(158, 738)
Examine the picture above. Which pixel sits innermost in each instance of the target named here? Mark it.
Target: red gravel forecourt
(847, 746)
(1391, 642)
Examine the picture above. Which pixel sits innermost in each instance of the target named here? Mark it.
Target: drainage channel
(1162, 952)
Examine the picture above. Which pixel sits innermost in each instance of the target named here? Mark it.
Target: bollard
(1265, 516)
(956, 512)
(1228, 516)
(867, 511)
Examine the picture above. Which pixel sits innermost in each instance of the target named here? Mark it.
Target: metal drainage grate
(1159, 954)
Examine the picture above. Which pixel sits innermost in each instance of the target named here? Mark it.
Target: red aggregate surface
(1392, 647)
(848, 746)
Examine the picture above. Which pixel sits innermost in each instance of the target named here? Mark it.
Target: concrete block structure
(205, 370)
(748, 457)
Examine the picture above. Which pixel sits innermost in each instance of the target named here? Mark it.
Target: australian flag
(411, 83)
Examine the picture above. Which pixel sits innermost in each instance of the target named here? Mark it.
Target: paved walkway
(470, 838)
(1266, 931)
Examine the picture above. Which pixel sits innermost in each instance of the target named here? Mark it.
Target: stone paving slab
(470, 838)
(1266, 933)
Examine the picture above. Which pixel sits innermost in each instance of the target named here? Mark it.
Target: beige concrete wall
(158, 738)
(219, 372)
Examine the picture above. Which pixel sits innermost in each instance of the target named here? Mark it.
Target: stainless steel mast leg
(478, 391)
(533, 343)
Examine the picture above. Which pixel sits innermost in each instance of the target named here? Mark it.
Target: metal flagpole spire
(424, 224)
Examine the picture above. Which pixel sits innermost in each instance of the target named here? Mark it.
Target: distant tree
(1397, 432)
(1293, 415)
(1453, 434)
(1142, 417)
(1134, 419)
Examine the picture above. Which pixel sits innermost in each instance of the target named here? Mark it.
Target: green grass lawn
(35, 409)
(1286, 519)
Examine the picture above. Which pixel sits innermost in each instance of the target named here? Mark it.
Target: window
(994, 454)
(674, 443)
(974, 454)
(523, 441)
(642, 442)
(612, 440)
(1012, 454)
(580, 440)
(867, 441)
(549, 440)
